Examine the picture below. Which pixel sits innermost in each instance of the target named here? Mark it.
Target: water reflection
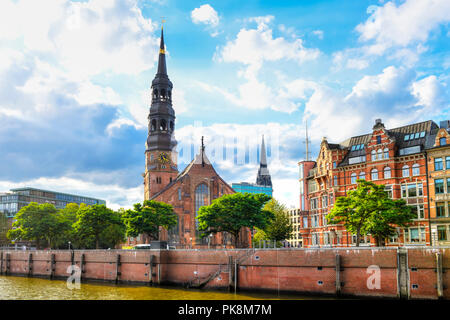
(19, 288)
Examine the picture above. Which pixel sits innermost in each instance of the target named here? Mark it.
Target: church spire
(263, 178)
(162, 68)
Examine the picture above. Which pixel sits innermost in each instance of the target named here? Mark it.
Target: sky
(75, 82)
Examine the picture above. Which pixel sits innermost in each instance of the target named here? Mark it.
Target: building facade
(396, 158)
(196, 186)
(263, 179)
(11, 202)
(439, 185)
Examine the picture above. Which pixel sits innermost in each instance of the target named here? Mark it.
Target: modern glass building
(251, 188)
(13, 201)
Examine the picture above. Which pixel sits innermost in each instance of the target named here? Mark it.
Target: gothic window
(201, 199)
(163, 94)
(171, 126)
(387, 173)
(155, 94)
(163, 126)
(153, 125)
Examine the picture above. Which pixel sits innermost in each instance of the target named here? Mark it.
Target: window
(439, 186)
(314, 204)
(353, 178)
(448, 185)
(447, 163)
(179, 194)
(409, 150)
(412, 190)
(380, 154)
(388, 189)
(315, 239)
(442, 233)
(442, 141)
(334, 164)
(356, 159)
(387, 173)
(438, 164)
(416, 169)
(326, 238)
(416, 135)
(415, 235)
(362, 175)
(418, 210)
(405, 171)
(374, 174)
(335, 181)
(440, 209)
(324, 201)
(378, 139)
(201, 199)
(386, 153)
(374, 155)
(407, 137)
(324, 220)
(305, 222)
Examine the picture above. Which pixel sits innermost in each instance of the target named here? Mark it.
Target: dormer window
(442, 141)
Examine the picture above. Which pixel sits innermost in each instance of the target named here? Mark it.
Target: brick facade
(396, 158)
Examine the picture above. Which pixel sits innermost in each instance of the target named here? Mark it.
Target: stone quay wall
(406, 273)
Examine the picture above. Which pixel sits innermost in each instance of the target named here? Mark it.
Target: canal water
(20, 288)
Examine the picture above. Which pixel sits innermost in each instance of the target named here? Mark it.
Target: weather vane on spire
(163, 20)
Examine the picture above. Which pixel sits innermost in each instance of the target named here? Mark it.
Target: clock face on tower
(163, 158)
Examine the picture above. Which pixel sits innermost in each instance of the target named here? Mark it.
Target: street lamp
(69, 245)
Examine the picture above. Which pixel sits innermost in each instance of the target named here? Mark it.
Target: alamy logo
(74, 281)
(374, 280)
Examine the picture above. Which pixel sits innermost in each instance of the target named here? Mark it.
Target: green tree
(230, 213)
(148, 217)
(280, 227)
(4, 226)
(38, 222)
(93, 224)
(369, 210)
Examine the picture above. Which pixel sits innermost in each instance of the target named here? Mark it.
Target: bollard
(1, 262)
(159, 272)
(338, 274)
(30, 264)
(440, 283)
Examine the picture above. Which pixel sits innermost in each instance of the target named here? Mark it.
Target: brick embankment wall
(414, 273)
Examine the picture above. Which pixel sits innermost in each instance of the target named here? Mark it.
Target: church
(196, 186)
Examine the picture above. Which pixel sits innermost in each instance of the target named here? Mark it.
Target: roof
(397, 134)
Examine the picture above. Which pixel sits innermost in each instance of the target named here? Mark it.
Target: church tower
(160, 154)
(263, 178)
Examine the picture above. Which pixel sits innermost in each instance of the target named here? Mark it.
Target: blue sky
(75, 77)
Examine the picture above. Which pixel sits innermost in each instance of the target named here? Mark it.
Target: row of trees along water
(366, 210)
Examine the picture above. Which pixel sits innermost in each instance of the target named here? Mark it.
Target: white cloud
(83, 38)
(205, 14)
(116, 196)
(394, 95)
(409, 23)
(318, 33)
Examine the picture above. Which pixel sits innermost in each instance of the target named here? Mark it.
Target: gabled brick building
(196, 186)
(396, 158)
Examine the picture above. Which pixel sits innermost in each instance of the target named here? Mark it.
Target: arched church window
(171, 126)
(163, 94)
(155, 94)
(153, 125)
(201, 199)
(170, 95)
(163, 126)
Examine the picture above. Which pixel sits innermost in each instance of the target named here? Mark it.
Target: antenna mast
(306, 142)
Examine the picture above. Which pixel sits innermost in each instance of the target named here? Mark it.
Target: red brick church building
(196, 186)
